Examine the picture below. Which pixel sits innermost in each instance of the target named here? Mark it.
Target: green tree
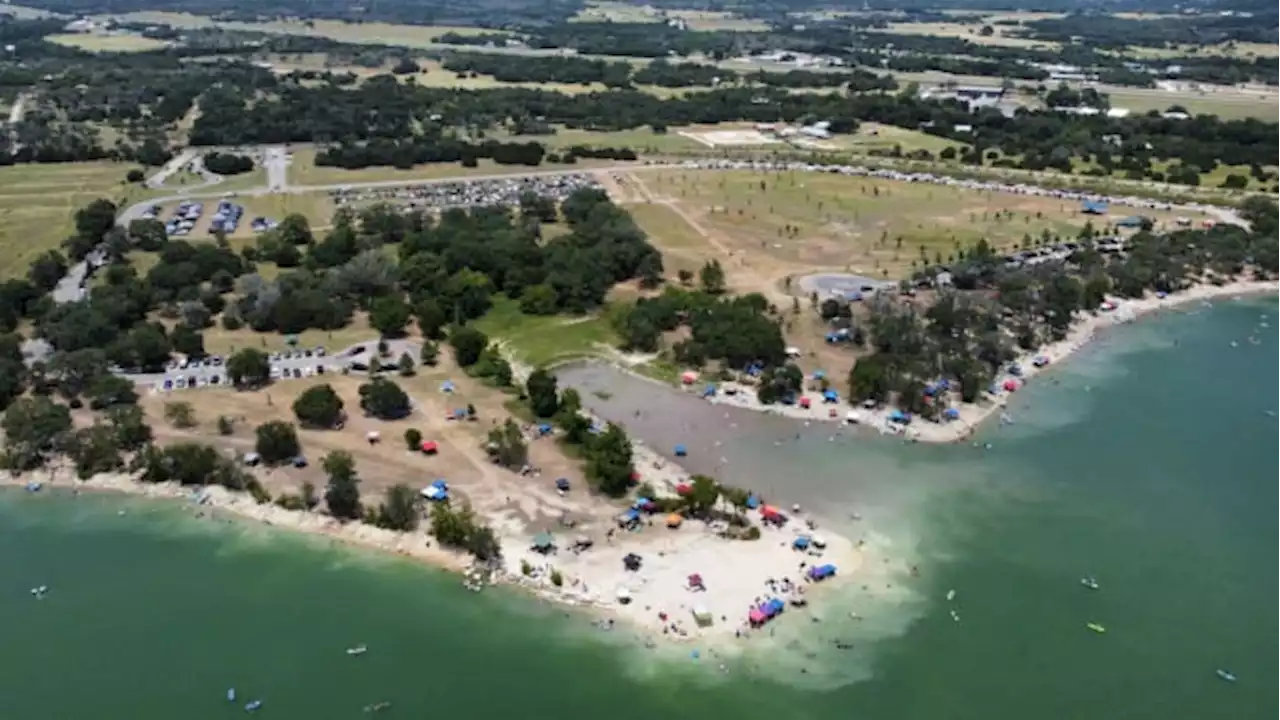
(431, 318)
(711, 276)
(342, 495)
(33, 427)
(609, 461)
(249, 368)
(541, 387)
(277, 442)
(507, 447)
(294, 230)
(400, 511)
(430, 354)
(94, 450)
(382, 398)
(389, 315)
(130, 426)
(318, 407)
(413, 439)
(539, 300)
(703, 494)
(467, 343)
(405, 366)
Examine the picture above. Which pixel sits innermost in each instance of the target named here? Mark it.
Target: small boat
(1225, 675)
(377, 707)
(253, 705)
(357, 650)
(231, 694)
(1096, 628)
(1089, 583)
(951, 595)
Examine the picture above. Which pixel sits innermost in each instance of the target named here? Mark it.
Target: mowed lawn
(38, 204)
(542, 340)
(799, 220)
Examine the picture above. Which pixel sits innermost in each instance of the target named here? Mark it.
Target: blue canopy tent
(629, 517)
(640, 502)
(819, 374)
(775, 606)
(544, 429)
(447, 386)
(753, 502)
(681, 451)
(897, 416)
(800, 543)
(951, 414)
(830, 396)
(709, 391)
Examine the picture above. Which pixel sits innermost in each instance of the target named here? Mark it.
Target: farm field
(694, 19)
(1002, 35)
(765, 225)
(38, 203)
(92, 42)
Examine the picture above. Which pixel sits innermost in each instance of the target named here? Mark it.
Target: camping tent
(446, 386)
(562, 484)
(542, 542)
(756, 617)
(709, 391)
(769, 512)
(897, 416)
(801, 543)
(1010, 385)
(681, 450)
(753, 502)
(674, 520)
(951, 414)
(688, 378)
(430, 447)
(804, 402)
(830, 396)
(629, 517)
(544, 429)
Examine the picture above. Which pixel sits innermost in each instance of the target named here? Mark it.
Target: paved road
(276, 162)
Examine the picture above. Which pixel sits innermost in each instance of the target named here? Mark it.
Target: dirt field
(461, 460)
(764, 226)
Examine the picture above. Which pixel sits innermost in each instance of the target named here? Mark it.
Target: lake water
(1148, 462)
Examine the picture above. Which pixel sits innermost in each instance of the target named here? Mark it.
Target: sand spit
(656, 601)
(973, 414)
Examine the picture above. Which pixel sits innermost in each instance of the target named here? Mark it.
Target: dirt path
(737, 265)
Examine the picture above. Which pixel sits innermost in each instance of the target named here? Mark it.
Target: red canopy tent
(695, 582)
(430, 447)
(804, 402)
(769, 512)
(684, 489)
(1010, 385)
(755, 617)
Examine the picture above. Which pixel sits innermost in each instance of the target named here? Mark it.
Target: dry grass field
(317, 207)
(422, 36)
(93, 42)
(763, 226)
(38, 202)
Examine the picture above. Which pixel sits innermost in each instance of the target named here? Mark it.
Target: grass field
(875, 136)
(683, 247)
(642, 140)
(969, 32)
(1227, 105)
(37, 204)
(421, 36)
(539, 340)
(774, 224)
(107, 43)
(694, 19)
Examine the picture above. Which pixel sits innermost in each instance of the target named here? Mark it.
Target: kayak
(358, 650)
(250, 707)
(1096, 628)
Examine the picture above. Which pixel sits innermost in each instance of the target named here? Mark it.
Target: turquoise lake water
(1148, 462)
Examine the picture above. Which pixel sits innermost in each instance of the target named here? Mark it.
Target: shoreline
(659, 603)
(973, 415)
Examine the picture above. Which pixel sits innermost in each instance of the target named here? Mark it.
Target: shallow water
(1146, 464)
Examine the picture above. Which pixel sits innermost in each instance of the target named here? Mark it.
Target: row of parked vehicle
(227, 217)
(184, 218)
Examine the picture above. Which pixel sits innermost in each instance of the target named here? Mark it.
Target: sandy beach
(654, 601)
(971, 415)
